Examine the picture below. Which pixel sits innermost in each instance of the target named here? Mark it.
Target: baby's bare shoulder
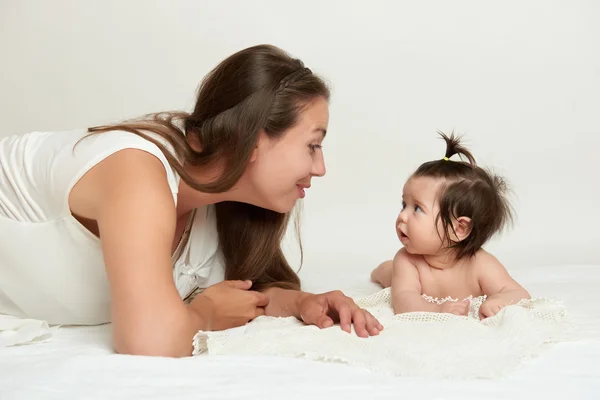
(483, 262)
(404, 257)
(482, 257)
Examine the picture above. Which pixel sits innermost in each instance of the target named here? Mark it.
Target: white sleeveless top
(51, 267)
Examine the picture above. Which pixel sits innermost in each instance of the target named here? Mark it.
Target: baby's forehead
(422, 187)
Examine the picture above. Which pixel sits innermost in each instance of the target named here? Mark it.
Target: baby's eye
(418, 208)
(403, 205)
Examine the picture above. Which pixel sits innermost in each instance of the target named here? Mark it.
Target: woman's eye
(315, 147)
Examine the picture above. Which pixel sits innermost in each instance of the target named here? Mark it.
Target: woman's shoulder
(84, 150)
(78, 147)
(48, 165)
(133, 174)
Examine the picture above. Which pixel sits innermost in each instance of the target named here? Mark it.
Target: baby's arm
(406, 286)
(499, 287)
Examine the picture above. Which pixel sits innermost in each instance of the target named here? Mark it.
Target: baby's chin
(410, 250)
(419, 251)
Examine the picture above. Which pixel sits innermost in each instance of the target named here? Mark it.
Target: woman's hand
(323, 310)
(228, 304)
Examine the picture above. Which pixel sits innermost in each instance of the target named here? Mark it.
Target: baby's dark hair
(468, 191)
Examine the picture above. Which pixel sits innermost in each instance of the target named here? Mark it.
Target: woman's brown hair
(468, 191)
(260, 88)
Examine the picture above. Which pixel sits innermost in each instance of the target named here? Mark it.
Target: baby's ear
(462, 228)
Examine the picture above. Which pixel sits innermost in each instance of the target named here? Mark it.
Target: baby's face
(416, 225)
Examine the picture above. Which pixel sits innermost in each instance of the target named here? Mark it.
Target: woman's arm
(128, 195)
(131, 200)
(284, 302)
(322, 310)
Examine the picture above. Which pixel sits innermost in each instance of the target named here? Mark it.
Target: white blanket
(80, 363)
(14, 331)
(417, 344)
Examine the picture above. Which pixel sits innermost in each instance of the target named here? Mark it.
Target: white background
(520, 78)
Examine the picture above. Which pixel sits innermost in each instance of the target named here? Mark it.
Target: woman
(126, 222)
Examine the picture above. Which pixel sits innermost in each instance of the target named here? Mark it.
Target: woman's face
(281, 169)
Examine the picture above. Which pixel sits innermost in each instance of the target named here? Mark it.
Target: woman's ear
(260, 142)
(192, 139)
(462, 228)
(254, 154)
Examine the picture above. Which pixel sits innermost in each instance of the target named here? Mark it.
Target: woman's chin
(283, 206)
(284, 209)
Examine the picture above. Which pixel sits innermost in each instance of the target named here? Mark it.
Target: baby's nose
(401, 218)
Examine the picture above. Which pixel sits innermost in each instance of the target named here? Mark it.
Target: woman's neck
(189, 198)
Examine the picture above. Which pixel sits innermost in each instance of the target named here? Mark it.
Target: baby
(450, 209)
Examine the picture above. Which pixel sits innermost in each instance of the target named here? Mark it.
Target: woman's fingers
(373, 326)
(262, 300)
(243, 285)
(360, 322)
(345, 314)
(259, 311)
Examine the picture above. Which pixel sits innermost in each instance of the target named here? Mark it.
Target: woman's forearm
(171, 337)
(284, 302)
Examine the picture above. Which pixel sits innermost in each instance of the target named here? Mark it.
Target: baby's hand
(456, 307)
(491, 307)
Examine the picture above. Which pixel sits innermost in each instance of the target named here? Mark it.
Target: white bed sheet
(79, 362)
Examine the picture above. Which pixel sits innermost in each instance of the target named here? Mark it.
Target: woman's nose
(318, 167)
